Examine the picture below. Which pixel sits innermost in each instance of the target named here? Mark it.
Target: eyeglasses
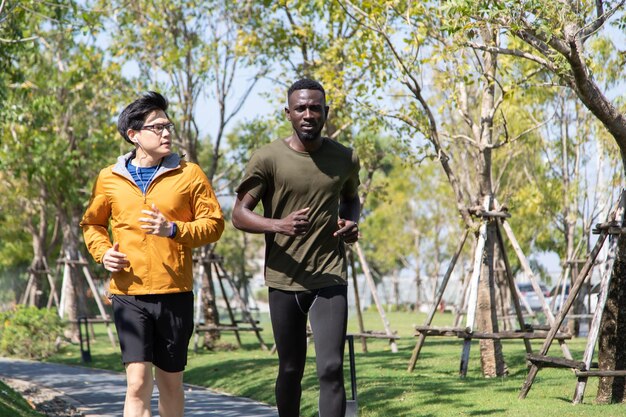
(158, 128)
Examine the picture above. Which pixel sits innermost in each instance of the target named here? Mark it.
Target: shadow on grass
(252, 378)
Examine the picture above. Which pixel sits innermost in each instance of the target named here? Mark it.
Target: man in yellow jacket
(158, 208)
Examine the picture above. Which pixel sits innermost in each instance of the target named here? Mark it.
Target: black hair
(135, 114)
(306, 84)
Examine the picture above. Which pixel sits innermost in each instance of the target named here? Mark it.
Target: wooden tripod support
(467, 333)
(363, 334)
(213, 266)
(104, 317)
(582, 369)
(30, 293)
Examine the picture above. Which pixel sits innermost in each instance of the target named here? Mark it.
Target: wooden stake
(96, 296)
(473, 297)
(512, 286)
(222, 274)
(372, 285)
(561, 316)
(357, 302)
(533, 281)
(228, 308)
(438, 297)
(594, 328)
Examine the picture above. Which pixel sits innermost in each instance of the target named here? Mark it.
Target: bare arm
(244, 218)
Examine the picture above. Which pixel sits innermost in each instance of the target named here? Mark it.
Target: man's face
(155, 138)
(307, 113)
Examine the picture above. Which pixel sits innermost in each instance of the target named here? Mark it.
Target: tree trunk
(418, 280)
(491, 357)
(37, 265)
(611, 352)
(211, 314)
(75, 296)
(39, 233)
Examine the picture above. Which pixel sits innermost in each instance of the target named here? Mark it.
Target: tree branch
(524, 133)
(514, 52)
(586, 31)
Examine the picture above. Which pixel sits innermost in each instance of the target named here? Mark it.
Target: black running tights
(328, 312)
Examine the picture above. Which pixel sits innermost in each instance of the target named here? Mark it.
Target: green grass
(385, 388)
(13, 405)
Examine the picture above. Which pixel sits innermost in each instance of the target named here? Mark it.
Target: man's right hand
(295, 224)
(113, 260)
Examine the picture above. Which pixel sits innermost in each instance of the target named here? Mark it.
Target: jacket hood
(169, 162)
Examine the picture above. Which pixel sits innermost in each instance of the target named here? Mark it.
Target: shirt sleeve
(255, 178)
(351, 186)
(95, 222)
(208, 221)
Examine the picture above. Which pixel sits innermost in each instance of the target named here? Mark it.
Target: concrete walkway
(98, 393)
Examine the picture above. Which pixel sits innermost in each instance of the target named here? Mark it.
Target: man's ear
(327, 109)
(131, 135)
(287, 113)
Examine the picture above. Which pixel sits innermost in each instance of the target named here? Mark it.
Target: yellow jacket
(158, 265)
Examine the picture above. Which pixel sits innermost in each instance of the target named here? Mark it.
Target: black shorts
(154, 328)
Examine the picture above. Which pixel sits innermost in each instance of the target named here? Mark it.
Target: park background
(445, 102)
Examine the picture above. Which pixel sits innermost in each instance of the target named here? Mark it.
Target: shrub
(29, 332)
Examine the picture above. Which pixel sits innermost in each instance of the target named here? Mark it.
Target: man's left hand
(348, 230)
(156, 224)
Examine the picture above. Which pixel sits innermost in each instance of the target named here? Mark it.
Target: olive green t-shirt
(286, 180)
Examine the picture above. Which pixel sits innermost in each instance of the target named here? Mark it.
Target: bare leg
(171, 393)
(138, 390)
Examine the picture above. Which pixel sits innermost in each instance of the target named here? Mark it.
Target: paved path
(99, 393)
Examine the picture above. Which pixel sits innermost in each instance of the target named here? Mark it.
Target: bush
(29, 332)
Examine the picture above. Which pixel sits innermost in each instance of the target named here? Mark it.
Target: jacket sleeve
(208, 221)
(95, 222)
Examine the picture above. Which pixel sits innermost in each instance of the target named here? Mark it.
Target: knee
(169, 384)
(291, 371)
(170, 390)
(331, 370)
(139, 388)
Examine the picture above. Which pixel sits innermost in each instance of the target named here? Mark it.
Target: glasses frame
(154, 129)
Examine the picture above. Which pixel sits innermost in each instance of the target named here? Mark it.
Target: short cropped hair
(306, 84)
(135, 114)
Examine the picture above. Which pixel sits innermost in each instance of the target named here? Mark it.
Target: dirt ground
(49, 402)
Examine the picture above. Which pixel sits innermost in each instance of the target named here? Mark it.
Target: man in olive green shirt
(308, 187)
